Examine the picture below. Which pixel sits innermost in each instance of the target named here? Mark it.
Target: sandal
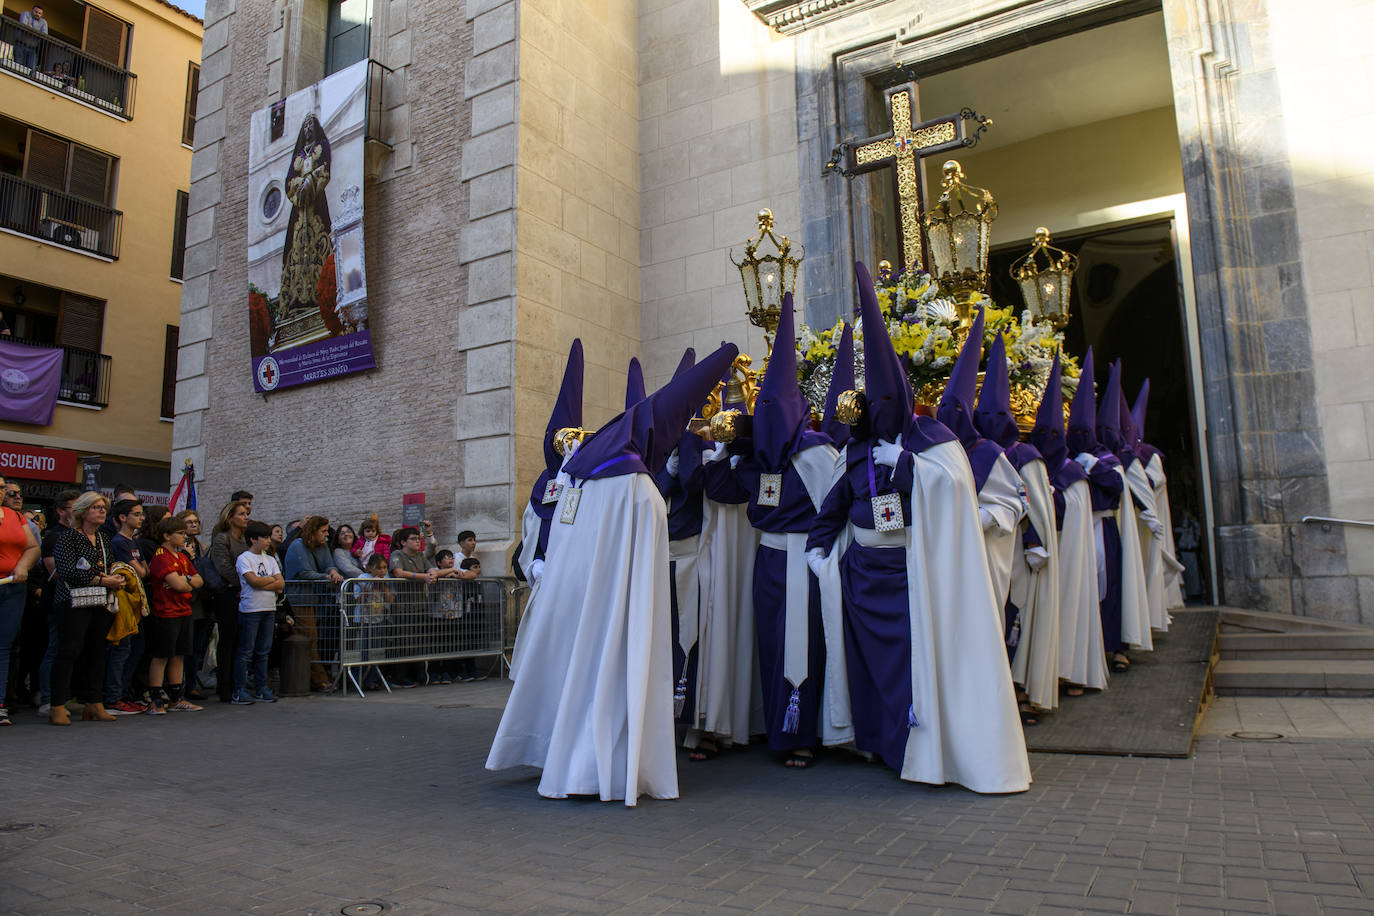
(1028, 714)
(1120, 662)
(1072, 691)
(706, 750)
(800, 759)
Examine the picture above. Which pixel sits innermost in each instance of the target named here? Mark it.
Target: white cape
(729, 703)
(1152, 554)
(1135, 602)
(969, 729)
(1000, 497)
(1082, 656)
(594, 704)
(1173, 589)
(529, 536)
(1035, 665)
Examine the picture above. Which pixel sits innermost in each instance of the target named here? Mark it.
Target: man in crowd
(124, 655)
(411, 564)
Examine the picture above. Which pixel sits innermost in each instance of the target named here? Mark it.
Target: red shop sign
(33, 463)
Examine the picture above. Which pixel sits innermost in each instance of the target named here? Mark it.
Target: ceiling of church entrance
(1084, 78)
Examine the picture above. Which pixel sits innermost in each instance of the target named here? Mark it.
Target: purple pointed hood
(781, 411)
(956, 404)
(1143, 449)
(567, 410)
(634, 383)
(993, 416)
(689, 359)
(641, 438)
(1082, 432)
(1109, 412)
(889, 403)
(841, 380)
(1048, 434)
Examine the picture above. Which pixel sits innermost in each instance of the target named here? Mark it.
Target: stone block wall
(578, 217)
(718, 142)
(356, 443)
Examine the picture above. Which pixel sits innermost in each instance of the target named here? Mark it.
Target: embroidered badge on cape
(770, 489)
(571, 497)
(552, 491)
(887, 513)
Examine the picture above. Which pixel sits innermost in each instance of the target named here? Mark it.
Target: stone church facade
(543, 170)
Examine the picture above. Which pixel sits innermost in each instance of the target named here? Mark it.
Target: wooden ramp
(1152, 710)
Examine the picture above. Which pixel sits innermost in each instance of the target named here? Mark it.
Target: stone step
(1237, 620)
(1312, 644)
(1294, 677)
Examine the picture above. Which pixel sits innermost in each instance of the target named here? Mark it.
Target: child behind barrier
(445, 608)
(372, 606)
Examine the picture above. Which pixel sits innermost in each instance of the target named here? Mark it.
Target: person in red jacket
(172, 577)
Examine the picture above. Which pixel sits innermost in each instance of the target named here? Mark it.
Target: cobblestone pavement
(314, 804)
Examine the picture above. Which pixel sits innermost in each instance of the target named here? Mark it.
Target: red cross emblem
(887, 513)
(768, 491)
(269, 374)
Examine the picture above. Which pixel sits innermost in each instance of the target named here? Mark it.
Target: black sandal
(797, 760)
(702, 753)
(1028, 714)
(1121, 662)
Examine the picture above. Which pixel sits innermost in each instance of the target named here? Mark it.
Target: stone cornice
(792, 16)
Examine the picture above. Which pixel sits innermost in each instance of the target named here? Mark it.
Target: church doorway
(1084, 142)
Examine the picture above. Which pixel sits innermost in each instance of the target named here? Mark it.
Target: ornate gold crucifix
(903, 147)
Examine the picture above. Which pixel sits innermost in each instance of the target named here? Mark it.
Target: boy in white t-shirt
(261, 578)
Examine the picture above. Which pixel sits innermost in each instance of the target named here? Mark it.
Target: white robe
(729, 703)
(969, 729)
(1082, 659)
(529, 534)
(1035, 664)
(1173, 589)
(1151, 546)
(594, 704)
(1135, 604)
(1000, 502)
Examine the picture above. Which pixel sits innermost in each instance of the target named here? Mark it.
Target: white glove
(886, 453)
(1086, 460)
(672, 464)
(734, 462)
(815, 559)
(536, 570)
(986, 518)
(716, 453)
(1153, 523)
(1037, 557)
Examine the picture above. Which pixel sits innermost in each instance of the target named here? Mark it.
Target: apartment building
(97, 124)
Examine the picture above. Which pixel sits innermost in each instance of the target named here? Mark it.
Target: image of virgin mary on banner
(307, 282)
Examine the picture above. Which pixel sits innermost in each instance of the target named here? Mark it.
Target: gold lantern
(958, 227)
(767, 276)
(1046, 289)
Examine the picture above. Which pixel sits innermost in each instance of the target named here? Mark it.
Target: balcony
(85, 374)
(61, 67)
(61, 219)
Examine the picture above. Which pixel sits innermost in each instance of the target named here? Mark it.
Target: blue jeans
(12, 599)
(120, 663)
(255, 641)
(45, 667)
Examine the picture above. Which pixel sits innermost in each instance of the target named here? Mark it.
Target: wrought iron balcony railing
(52, 216)
(65, 68)
(85, 374)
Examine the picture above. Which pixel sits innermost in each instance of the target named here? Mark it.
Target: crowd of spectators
(128, 610)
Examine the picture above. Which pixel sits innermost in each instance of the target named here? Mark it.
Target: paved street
(315, 804)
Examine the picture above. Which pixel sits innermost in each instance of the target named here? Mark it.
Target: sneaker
(241, 698)
(126, 708)
(4, 717)
(478, 677)
(184, 706)
(442, 679)
(43, 709)
(155, 709)
(265, 695)
(404, 683)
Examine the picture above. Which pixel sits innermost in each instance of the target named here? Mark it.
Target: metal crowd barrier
(381, 626)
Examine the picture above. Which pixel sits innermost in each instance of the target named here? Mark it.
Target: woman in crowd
(82, 559)
(18, 553)
(312, 584)
(274, 542)
(226, 544)
(341, 550)
(202, 610)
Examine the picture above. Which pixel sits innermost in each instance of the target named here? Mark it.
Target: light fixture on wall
(1046, 289)
(958, 227)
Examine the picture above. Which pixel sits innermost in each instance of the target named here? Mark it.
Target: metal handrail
(62, 219)
(1328, 522)
(62, 67)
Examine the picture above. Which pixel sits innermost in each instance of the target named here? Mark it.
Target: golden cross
(903, 147)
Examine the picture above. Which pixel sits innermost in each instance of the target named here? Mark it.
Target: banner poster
(307, 283)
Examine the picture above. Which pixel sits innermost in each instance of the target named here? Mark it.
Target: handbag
(93, 595)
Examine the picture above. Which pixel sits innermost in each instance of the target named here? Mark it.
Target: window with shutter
(79, 325)
(169, 372)
(179, 238)
(106, 37)
(89, 177)
(45, 160)
(188, 119)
